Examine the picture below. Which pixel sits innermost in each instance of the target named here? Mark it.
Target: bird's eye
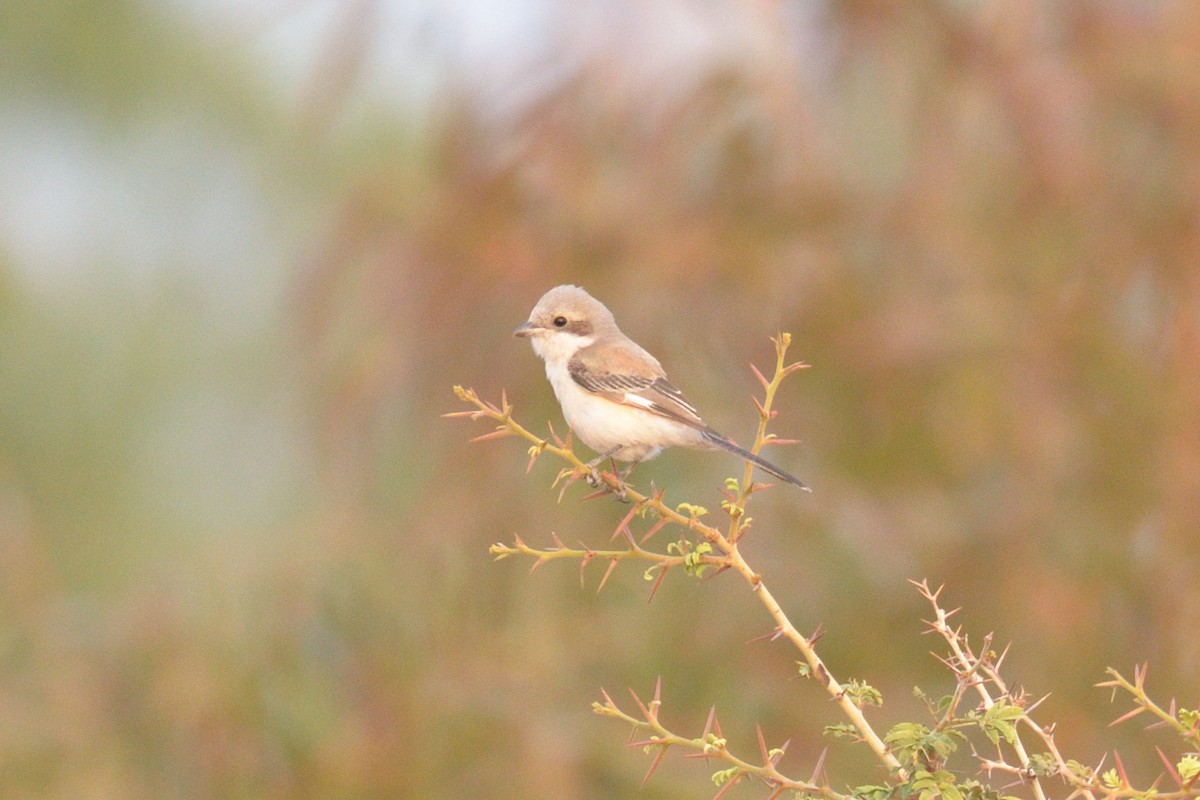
(560, 322)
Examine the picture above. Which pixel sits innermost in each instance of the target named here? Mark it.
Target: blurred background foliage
(247, 248)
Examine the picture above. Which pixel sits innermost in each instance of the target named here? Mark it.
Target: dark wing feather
(654, 394)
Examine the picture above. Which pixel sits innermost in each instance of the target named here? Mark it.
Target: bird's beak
(525, 329)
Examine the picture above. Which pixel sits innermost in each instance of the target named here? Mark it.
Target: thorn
(497, 434)
(737, 777)
(574, 477)
(611, 566)
(536, 566)
(817, 633)
(1121, 768)
(623, 525)
(1170, 767)
(632, 544)
(1126, 716)
(588, 555)
(655, 528)
(1003, 654)
(662, 573)
(662, 753)
(641, 706)
(557, 541)
(769, 636)
(712, 713)
(950, 665)
(820, 764)
(1029, 709)
(765, 383)
(762, 745)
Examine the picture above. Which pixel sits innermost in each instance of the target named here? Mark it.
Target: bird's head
(565, 320)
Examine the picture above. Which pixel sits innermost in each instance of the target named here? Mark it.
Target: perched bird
(615, 395)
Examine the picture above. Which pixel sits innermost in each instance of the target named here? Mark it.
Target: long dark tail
(758, 461)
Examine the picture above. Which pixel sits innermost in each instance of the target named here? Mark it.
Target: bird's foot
(592, 477)
(596, 480)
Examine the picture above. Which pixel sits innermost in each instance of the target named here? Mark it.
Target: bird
(614, 395)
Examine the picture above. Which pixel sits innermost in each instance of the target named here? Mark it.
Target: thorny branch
(737, 498)
(915, 755)
(980, 671)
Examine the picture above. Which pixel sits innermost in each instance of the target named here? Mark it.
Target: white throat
(558, 347)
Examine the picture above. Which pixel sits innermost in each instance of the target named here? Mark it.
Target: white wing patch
(638, 400)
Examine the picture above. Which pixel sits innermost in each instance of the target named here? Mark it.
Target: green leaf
(722, 776)
(862, 693)
(916, 744)
(692, 563)
(694, 511)
(1111, 779)
(1043, 764)
(926, 785)
(999, 721)
(842, 730)
(1188, 767)
(871, 792)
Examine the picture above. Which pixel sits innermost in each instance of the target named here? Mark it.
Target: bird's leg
(619, 492)
(593, 477)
